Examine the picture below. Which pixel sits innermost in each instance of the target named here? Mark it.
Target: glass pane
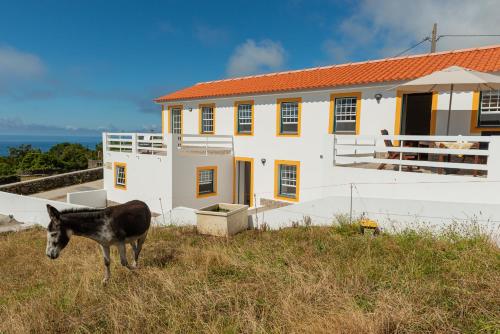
(489, 109)
(120, 176)
(206, 181)
(207, 119)
(345, 114)
(244, 118)
(176, 120)
(289, 117)
(288, 181)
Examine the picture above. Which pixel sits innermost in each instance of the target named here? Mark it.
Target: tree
(18, 153)
(28, 161)
(70, 157)
(6, 169)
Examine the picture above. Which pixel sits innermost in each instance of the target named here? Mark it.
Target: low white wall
(30, 210)
(391, 214)
(180, 216)
(91, 198)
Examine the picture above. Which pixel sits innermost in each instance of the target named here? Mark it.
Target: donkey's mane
(83, 212)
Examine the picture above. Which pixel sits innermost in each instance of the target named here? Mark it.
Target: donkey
(127, 223)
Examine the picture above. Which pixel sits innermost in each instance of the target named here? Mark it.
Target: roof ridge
(353, 63)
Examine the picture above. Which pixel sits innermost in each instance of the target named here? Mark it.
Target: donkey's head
(57, 235)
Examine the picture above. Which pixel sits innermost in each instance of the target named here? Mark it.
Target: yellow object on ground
(368, 223)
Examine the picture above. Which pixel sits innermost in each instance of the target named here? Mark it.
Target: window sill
(205, 195)
(286, 198)
(288, 134)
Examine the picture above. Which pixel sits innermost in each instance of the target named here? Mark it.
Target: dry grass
(320, 280)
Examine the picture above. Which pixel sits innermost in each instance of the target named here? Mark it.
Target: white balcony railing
(435, 153)
(137, 143)
(156, 144)
(206, 144)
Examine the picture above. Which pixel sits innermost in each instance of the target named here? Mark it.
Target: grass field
(302, 280)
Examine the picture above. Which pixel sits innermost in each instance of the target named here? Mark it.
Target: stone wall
(53, 182)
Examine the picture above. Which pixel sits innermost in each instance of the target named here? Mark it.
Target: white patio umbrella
(450, 79)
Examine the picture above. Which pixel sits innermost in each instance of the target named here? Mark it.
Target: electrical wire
(412, 47)
(466, 35)
(446, 35)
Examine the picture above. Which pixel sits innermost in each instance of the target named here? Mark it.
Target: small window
(176, 120)
(207, 119)
(206, 181)
(120, 175)
(244, 117)
(289, 116)
(345, 114)
(489, 109)
(287, 175)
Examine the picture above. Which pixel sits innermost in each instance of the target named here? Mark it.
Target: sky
(82, 67)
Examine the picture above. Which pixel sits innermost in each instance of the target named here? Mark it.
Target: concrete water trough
(222, 219)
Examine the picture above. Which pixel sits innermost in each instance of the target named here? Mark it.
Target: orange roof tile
(486, 59)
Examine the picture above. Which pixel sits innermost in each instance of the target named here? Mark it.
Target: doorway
(416, 115)
(243, 181)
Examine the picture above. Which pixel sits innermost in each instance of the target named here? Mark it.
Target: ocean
(44, 143)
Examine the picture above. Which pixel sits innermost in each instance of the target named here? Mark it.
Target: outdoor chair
(395, 155)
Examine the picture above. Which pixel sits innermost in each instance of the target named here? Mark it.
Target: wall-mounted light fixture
(263, 160)
(190, 109)
(378, 97)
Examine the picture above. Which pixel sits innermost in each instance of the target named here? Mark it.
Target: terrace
(460, 155)
(156, 143)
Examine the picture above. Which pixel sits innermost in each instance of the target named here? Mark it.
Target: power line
(412, 47)
(435, 39)
(469, 35)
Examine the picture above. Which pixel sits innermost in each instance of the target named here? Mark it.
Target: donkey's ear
(53, 213)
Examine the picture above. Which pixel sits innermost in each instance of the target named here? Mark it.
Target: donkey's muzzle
(53, 255)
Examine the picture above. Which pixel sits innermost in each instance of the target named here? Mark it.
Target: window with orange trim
(120, 175)
(489, 109)
(206, 181)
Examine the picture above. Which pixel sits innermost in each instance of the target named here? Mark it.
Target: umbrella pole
(449, 112)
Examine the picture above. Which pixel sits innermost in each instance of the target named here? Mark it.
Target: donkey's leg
(123, 256)
(133, 244)
(138, 249)
(107, 272)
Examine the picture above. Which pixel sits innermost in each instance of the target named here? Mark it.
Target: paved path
(59, 194)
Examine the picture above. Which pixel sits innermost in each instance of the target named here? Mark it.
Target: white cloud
(15, 65)
(252, 58)
(391, 26)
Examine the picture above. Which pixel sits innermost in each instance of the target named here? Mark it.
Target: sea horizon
(45, 142)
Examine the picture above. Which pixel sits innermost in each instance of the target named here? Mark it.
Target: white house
(302, 135)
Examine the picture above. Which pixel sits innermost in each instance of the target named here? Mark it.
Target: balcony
(459, 155)
(135, 143)
(157, 144)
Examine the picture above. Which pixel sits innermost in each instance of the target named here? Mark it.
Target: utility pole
(434, 38)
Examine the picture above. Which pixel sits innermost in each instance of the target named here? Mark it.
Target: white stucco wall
(173, 178)
(309, 147)
(164, 182)
(148, 179)
(184, 178)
